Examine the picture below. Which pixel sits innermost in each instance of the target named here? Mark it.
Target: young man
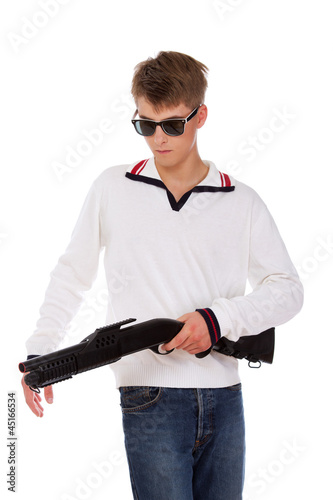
(189, 237)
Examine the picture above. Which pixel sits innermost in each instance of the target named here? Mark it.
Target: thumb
(48, 394)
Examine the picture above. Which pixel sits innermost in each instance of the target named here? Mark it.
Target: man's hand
(33, 399)
(193, 337)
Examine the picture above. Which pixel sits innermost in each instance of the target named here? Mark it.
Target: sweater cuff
(212, 324)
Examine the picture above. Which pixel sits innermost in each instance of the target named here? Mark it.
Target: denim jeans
(184, 444)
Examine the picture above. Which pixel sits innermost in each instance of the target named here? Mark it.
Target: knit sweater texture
(177, 256)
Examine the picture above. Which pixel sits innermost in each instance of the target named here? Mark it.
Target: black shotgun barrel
(106, 345)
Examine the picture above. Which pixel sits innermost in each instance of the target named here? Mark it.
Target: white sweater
(175, 258)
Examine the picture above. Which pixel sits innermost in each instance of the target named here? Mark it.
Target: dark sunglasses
(172, 126)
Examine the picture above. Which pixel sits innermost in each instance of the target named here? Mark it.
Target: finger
(194, 347)
(37, 411)
(192, 340)
(177, 341)
(31, 395)
(194, 350)
(48, 394)
(37, 408)
(32, 399)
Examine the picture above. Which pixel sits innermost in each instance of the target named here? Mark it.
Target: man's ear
(202, 116)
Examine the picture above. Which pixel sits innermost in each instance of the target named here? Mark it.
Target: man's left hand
(193, 337)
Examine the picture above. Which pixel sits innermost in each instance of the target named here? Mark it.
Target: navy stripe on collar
(177, 205)
(136, 175)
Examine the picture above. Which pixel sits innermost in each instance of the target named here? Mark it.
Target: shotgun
(106, 345)
(110, 343)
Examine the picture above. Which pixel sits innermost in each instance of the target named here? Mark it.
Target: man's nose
(160, 137)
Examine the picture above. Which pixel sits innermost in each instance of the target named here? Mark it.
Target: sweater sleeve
(277, 293)
(73, 275)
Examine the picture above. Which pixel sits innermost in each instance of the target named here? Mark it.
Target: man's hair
(170, 79)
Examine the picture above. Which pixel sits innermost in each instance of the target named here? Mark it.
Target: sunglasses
(172, 126)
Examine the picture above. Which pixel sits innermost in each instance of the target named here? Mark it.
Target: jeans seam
(146, 405)
(204, 439)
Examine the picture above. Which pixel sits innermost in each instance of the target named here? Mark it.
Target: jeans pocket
(235, 388)
(137, 398)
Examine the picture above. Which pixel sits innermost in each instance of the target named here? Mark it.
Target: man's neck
(181, 178)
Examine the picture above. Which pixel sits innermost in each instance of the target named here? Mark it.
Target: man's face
(172, 151)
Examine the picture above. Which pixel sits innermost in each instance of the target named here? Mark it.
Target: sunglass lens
(145, 128)
(173, 127)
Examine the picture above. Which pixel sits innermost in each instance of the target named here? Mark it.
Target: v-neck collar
(215, 181)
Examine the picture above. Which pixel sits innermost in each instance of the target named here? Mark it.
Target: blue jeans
(184, 444)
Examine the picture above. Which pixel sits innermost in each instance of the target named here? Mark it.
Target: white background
(64, 72)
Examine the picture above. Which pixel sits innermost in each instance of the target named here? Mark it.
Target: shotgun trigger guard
(254, 364)
(156, 349)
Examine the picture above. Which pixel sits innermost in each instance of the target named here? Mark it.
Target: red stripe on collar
(225, 180)
(139, 167)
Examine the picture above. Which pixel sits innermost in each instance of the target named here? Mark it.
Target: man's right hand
(33, 399)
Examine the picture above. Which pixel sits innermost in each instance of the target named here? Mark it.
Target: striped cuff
(212, 324)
